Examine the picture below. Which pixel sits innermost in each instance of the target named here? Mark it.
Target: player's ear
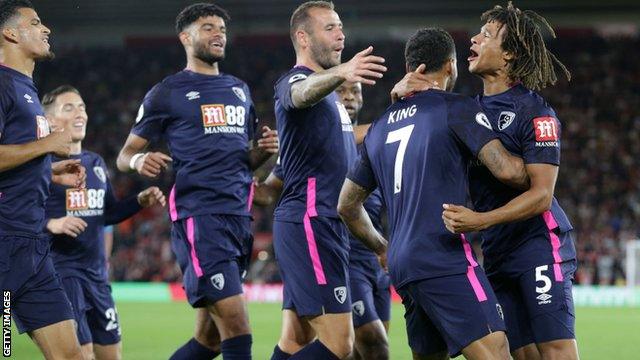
(185, 38)
(10, 34)
(302, 38)
(449, 66)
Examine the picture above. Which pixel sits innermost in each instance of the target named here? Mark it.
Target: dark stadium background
(115, 50)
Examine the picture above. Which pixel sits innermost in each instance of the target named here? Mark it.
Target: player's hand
(151, 196)
(364, 67)
(413, 82)
(269, 141)
(68, 225)
(59, 143)
(152, 164)
(69, 173)
(459, 219)
(262, 194)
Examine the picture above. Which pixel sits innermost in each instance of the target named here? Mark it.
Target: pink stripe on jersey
(471, 273)
(475, 284)
(311, 197)
(191, 237)
(555, 244)
(173, 212)
(313, 251)
(252, 191)
(468, 251)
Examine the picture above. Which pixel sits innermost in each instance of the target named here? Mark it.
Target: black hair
(9, 8)
(432, 47)
(192, 13)
(50, 98)
(532, 64)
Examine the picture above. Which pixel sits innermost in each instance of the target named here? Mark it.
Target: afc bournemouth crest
(340, 293)
(100, 174)
(217, 281)
(239, 93)
(505, 119)
(358, 308)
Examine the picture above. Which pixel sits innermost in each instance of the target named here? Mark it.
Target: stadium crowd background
(598, 186)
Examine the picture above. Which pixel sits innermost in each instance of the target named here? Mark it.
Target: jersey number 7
(402, 135)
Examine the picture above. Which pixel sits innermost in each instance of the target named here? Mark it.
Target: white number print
(402, 135)
(235, 115)
(112, 315)
(544, 278)
(96, 198)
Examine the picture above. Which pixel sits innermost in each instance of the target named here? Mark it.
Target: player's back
(419, 152)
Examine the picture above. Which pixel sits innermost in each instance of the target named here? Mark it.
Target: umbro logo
(544, 299)
(29, 98)
(192, 95)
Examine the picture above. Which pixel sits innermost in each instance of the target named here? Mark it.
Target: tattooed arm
(352, 212)
(363, 67)
(505, 167)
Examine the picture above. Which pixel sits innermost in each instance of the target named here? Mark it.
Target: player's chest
(506, 124)
(89, 201)
(26, 121)
(213, 111)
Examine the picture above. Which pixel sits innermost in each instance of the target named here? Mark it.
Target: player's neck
(76, 148)
(17, 62)
(496, 84)
(200, 67)
(307, 61)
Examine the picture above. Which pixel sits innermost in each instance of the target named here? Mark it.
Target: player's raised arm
(11, 156)
(364, 67)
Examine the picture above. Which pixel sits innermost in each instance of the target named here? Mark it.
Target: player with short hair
(40, 306)
(208, 121)
(528, 249)
(310, 241)
(77, 218)
(417, 154)
(369, 283)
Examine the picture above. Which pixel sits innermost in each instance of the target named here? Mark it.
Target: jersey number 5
(402, 135)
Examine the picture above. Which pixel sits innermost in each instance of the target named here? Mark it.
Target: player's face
(209, 38)
(326, 38)
(69, 112)
(350, 94)
(487, 56)
(32, 36)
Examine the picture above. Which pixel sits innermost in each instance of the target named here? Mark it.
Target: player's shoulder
(531, 104)
(7, 85)
(295, 74)
(92, 157)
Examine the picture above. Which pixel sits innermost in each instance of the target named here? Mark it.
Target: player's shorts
(449, 313)
(213, 252)
(26, 270)
(537, 303)
(370, 294)
(95, 311)
(313, 258)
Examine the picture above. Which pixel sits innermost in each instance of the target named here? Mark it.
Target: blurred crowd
(598, 185)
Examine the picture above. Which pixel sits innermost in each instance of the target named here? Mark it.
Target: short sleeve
(469, 124)
(283, 87)
(361, 172)
(4, 106)
(540, 138)
(153, 114)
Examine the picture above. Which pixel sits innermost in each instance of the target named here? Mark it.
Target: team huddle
(428, 156)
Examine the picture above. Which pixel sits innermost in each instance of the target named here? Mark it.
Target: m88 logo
(83, 199)
(221, 115)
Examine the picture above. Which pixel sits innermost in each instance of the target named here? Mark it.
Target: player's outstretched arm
(412, 82)
(352, 212)
(364, 67)
(267, 146)
(132, 157)
(503, 165)
(268, 191)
